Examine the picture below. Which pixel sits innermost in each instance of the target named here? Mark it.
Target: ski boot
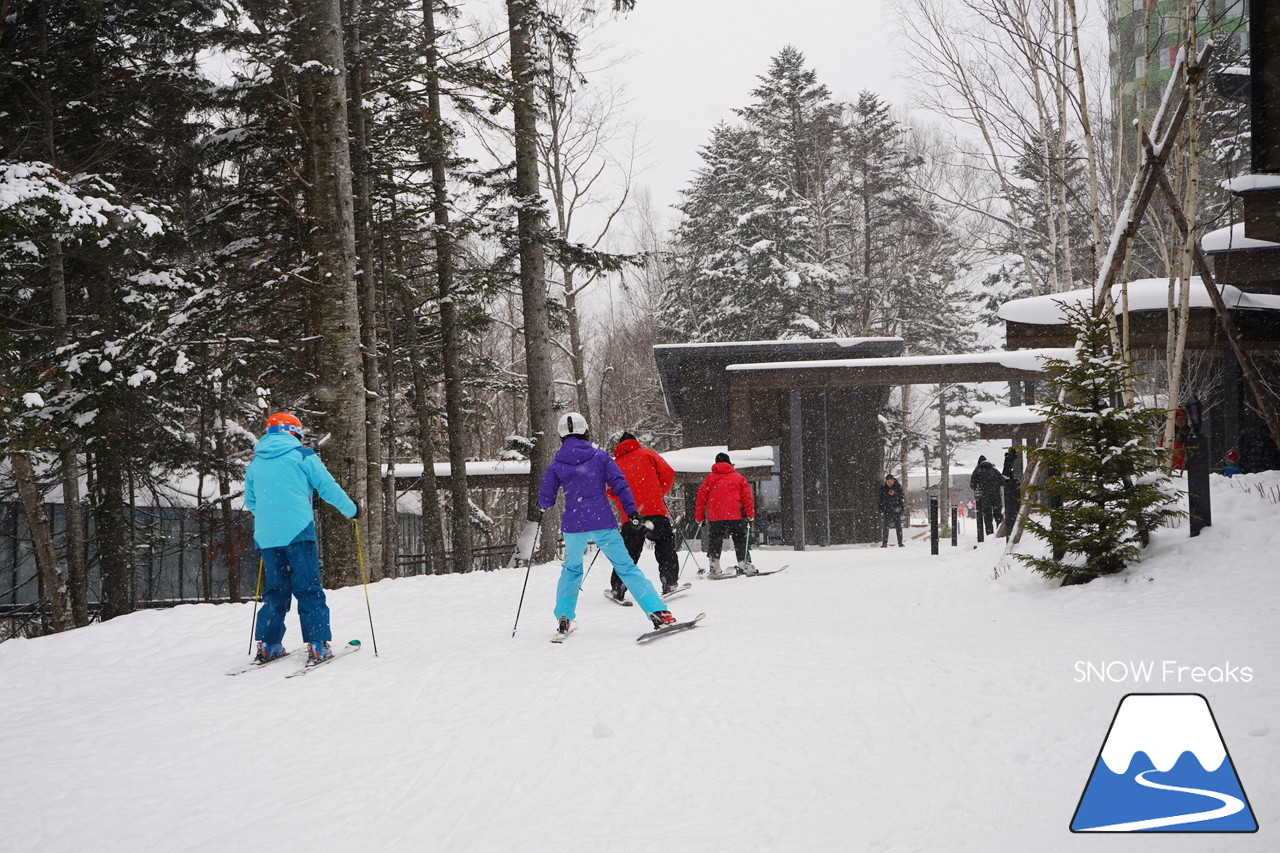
(318, 652)
(745, 568)
(268, 652)
(662, 618)
(564, 628)
(619, 595)
(668, 588)
(715, 569)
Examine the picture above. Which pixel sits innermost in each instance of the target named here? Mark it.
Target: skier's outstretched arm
(324, 484)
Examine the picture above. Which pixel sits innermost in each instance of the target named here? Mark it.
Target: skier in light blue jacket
(277, 489)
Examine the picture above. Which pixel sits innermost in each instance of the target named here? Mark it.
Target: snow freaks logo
(1163, 767)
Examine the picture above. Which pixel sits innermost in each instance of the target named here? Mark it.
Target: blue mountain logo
(1163, 768)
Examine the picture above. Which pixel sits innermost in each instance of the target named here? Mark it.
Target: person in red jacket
(650, 478)
(725, 501)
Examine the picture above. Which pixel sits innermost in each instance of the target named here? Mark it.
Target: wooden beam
(854, 375)
(741, 427)
(1010, 432)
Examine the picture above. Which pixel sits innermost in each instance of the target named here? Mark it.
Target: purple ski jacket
(582, 471)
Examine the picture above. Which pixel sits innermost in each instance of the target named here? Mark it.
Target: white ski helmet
(571, 423)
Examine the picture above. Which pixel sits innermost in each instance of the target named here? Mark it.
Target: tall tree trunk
(1090, 144)
(577, 352)
(432, 532)
(55, 584)
(72, 511)
(371, 523)
(341, 391)
(460, 538)
(540, 397)
(1186, 259)
(944, 452)
(72, 504)
(109, 535)
(227, 520)
(904, 450)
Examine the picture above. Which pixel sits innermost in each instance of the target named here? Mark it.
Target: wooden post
(933, 525)
(1197, 451)
(822, 474)
(797, 471)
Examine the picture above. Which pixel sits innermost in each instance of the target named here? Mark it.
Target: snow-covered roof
(698, 460)
(1029, 359)
(1010, 416)
(171, 490)
(1148, 294)
(1231, 238)
(1252, 183)
(475, 468)
(842, 342)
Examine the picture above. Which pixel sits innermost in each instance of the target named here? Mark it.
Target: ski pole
(257, 593)
(528, 566)
(588, 571)
(696, 534)
(365, 581)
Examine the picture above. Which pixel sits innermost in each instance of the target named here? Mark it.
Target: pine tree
(1105, 487)
(739, 273)
(105, 109)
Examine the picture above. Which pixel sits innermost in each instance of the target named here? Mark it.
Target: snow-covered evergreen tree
(740, 249)
(1105, 478)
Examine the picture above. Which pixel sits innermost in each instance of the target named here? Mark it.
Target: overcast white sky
(690, 62)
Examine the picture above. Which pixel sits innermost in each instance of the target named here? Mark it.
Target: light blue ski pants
(610, 542)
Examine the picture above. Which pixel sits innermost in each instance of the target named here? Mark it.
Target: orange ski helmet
(285, 422)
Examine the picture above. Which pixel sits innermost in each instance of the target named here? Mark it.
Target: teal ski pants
(610, 542)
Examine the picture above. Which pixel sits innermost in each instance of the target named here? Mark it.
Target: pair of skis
(666, 596)
(350, 648)
(727, 577)
(649, 636)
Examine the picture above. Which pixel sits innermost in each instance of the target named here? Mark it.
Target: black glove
(356, 517)
(636, 519)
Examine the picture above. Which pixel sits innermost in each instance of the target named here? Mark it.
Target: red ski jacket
(648, 475)
(724, 495)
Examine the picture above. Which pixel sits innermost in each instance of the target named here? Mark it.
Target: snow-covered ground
(863, 700)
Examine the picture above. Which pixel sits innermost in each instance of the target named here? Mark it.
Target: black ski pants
(989, 514)
(664, 548)
(734, 527)
(891, 519)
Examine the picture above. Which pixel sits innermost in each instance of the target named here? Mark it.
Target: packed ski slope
(863, 700)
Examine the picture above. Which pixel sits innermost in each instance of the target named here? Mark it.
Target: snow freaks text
(1166, 671)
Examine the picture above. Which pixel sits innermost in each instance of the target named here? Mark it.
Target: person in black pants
(891, 504)
(650, 479)
(725, 501)
(988, 489)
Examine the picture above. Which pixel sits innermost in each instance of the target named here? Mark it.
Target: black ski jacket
(891, 498)
(986, 481)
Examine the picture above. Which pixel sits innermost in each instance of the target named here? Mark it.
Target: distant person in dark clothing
(891, 504)
(987, 484)
(1012, 488)
(1260, 453)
